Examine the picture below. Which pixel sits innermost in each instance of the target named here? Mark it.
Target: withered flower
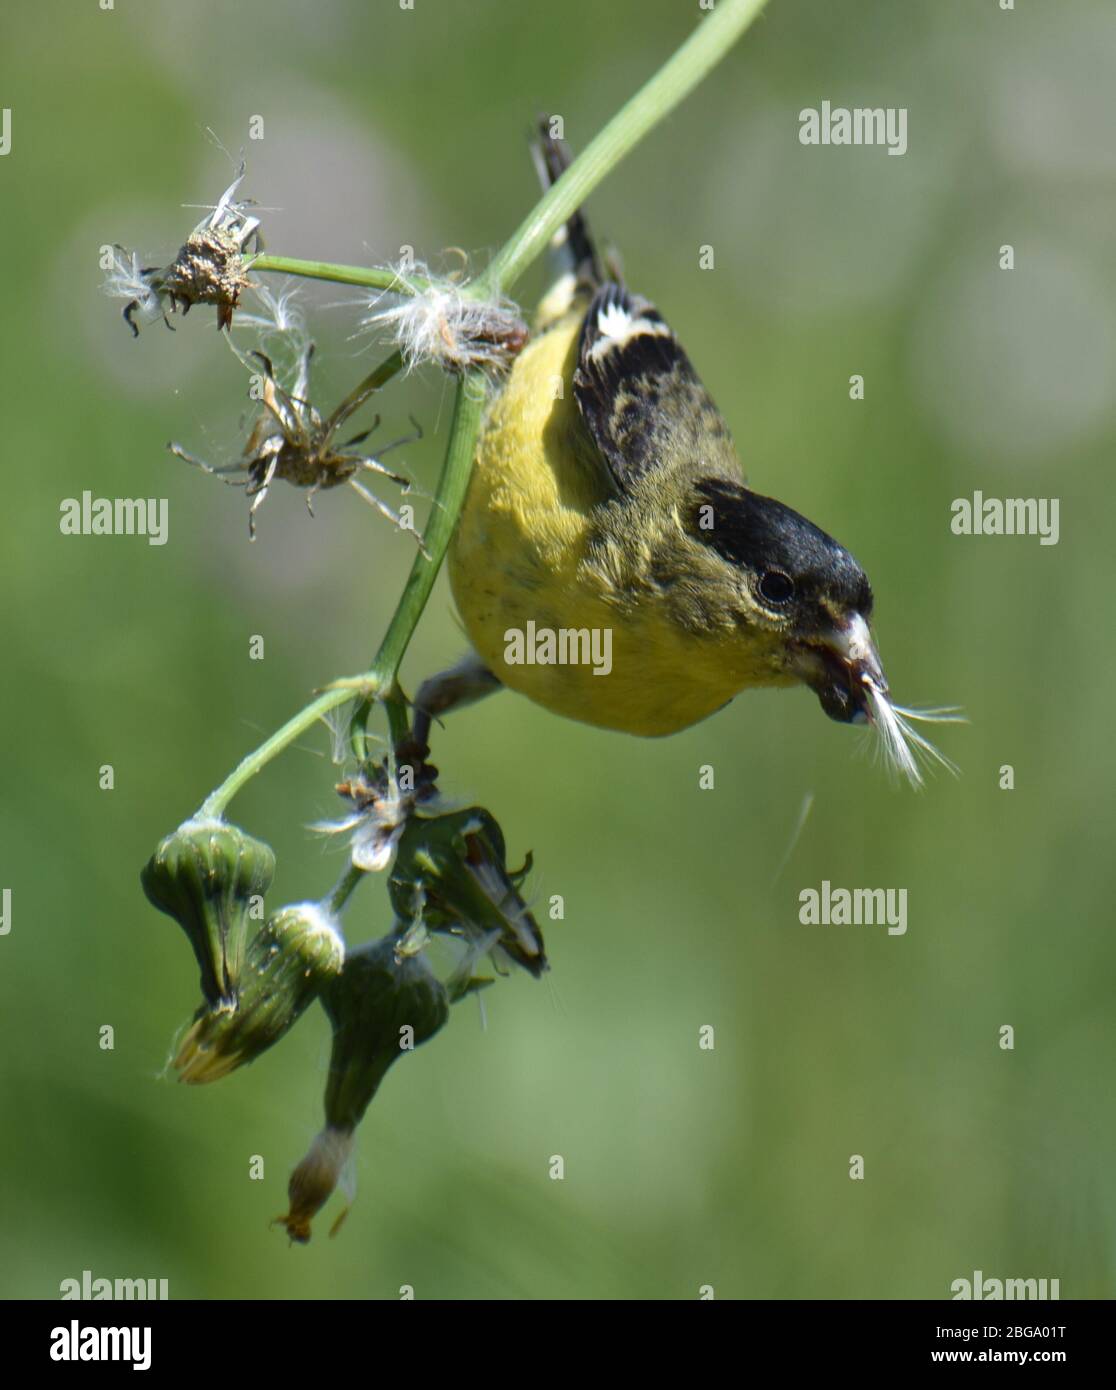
(381, 801)
(210, 268)
(447, 321)
(292, 441)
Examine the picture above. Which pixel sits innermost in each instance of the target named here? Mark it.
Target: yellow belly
(517, 559)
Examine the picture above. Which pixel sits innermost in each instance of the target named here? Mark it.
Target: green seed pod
(287, 964)
(204, 876)
(381, 1005)
(451, 869)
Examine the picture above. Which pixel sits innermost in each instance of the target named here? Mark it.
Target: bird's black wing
(639, 397)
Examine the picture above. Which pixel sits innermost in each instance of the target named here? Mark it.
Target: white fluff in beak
(904, 749)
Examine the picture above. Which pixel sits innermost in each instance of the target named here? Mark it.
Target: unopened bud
(382, 1004)
(452, 870)
(287, 964)
(205, 875)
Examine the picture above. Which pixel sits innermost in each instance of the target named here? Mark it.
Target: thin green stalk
(345, 888)
(380, 679)
(215, 803)
(468, 408)
(372, 278)
(375, 381)
(674, 81)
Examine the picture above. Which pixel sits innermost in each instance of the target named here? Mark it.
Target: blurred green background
(684, 1167)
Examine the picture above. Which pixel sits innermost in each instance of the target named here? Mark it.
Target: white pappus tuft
(279, 315)
(904, 749)
(380, 808)
(374, 831)
(228, 214)
(439, 321)
(128, 280)
(280, 331)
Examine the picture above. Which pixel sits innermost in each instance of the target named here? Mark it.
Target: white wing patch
(613, 320)
(616, 325)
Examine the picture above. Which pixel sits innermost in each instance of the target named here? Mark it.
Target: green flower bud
(382, 1004)
(287, 964)
(451, 870)
(204, 876)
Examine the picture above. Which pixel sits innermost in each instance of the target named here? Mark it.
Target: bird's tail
(572, 247)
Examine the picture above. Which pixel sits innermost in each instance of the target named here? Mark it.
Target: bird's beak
(838, 665)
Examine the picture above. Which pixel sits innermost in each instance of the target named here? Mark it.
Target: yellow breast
(517, 566)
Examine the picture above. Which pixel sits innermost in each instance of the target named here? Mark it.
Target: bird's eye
(776, 587)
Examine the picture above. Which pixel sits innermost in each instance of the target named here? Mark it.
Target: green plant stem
(379, 681)
(372, 278)
(655, 100)
(344, 890)
(215, 803)
(468, 408)
(674, 81)
(375, 381)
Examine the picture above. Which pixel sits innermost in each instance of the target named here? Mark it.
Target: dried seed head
(440, 321)
(210, 267)
(291, 440)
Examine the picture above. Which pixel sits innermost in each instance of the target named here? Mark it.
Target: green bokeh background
(684, 1167)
